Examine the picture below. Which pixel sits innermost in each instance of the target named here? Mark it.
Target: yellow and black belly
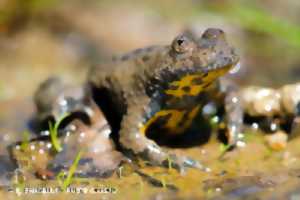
(176, 106)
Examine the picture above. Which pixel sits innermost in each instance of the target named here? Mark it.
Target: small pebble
(277, 141)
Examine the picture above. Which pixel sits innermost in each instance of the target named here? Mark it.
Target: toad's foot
(155, 155)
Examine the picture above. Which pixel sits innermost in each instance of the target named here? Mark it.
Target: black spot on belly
(197, 81)
(206, 85)
(158, 125)
(205, 74)
(184, 119)
(186, 88)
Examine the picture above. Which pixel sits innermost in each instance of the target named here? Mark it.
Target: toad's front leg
(132, 137)
(234, 118)
(233, 113)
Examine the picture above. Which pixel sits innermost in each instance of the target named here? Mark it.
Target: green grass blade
(53, 128)
(71, 171)
(254, 18)
(25, 140)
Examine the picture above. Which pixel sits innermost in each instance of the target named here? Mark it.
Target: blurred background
(39, 38)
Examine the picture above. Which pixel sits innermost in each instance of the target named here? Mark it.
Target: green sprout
(67, 181)
(209, 192)
(25, 140)
(120, 169)
(170, 162)
(223, 149)
(20, 188)
(53, 128)
(19, 181)
(214, 122)
(163, 182)
(268, 153)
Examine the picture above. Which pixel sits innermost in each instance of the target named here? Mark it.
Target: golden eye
(182, 44)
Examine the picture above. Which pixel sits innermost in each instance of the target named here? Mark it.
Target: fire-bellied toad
(163, 88)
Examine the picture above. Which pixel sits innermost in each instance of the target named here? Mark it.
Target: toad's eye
(213, 33)
(182, 44)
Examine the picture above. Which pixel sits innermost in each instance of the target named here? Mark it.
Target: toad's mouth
(223, 66)
(218, 71)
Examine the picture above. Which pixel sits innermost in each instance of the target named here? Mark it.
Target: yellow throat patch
(194, 88)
